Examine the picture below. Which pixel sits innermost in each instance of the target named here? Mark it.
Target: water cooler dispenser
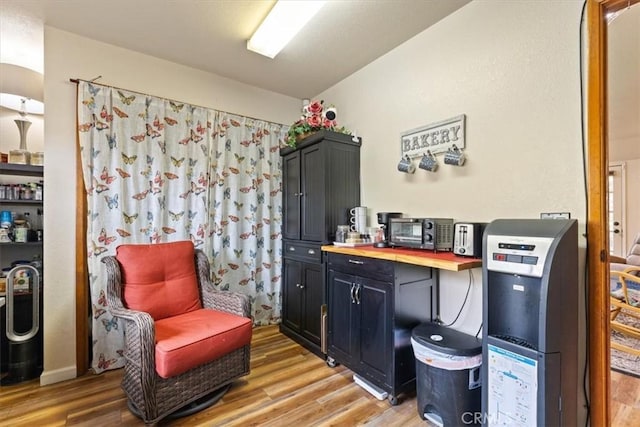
(530, 318)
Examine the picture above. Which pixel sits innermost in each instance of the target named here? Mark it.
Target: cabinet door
(291, 294)
(313, 298)
(375, 315)
(291, 197)
(302, 298)
(342, 333)
(313, 198)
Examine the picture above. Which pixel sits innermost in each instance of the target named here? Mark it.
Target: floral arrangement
(314, 117)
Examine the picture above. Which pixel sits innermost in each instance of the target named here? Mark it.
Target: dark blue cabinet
(372, 307)
(321, 182)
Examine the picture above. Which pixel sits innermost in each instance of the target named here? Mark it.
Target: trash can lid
(446, 340)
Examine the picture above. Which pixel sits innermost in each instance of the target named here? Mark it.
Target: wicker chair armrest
(633, 270)
(230, 302)
(623, 292)
(139, 325)
(626, 276)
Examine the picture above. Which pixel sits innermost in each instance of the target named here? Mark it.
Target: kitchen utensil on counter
(435, 234)
(467, 238)
(358, 219)
(341, 233)
(383, 219)
(353, 237)
(376, 235)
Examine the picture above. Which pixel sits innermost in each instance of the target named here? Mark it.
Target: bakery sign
(436, 137)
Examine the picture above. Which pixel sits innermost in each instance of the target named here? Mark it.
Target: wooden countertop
(441, 260)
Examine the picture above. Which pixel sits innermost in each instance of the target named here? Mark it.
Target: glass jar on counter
(341, 233)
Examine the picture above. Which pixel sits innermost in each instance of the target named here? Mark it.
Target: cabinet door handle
(298, 194)
(292, 249)
(353, 298)
(358, 290)
(311, 252)
(301, 286)
(355, 261)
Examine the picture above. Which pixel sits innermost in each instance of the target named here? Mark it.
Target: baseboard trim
(58, 375)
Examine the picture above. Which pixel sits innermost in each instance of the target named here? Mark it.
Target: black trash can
(448, 375)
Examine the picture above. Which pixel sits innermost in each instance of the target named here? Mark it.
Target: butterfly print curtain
(158, 171)
(246, 212)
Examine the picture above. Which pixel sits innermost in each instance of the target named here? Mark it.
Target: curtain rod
(92, 81)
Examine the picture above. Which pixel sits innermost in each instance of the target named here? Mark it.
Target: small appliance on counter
(383, 219)
(467, 238)
(422, 233)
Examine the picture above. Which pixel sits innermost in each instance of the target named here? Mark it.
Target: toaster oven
(422, 233)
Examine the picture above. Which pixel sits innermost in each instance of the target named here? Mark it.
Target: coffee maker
(383, 219)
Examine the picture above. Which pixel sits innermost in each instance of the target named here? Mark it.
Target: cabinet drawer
(362, 266)
(304, 251)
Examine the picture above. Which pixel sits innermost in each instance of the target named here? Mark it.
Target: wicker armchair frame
(624, 301)
(155, 397)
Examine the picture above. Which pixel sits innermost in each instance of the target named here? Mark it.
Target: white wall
(623, 69)
(632, 201)
(71, 56)
(624, 109)
(513, 69)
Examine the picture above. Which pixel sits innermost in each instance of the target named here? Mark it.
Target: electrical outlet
(555, 215)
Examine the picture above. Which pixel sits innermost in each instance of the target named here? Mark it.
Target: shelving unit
(20, 245)
(13, 173)
(21, 170)
(13, 251)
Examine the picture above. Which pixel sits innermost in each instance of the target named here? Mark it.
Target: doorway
(616, 209)
(597, 213)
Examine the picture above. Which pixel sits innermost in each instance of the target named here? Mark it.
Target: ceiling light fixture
(282, 23)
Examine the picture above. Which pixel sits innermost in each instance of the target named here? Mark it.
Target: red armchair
(184, 340)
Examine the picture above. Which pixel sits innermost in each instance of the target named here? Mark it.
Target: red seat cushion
(197, 337)
(159, 279)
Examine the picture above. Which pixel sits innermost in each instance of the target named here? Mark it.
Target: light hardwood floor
(288, 386)
(625, 400)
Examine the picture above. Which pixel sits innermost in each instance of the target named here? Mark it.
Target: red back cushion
(159, 279)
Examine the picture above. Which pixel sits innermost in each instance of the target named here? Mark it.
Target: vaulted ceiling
(211, 35)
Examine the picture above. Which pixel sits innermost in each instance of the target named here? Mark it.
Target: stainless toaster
(467, 238)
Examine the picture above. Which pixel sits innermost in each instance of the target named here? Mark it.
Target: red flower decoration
(313, 119)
